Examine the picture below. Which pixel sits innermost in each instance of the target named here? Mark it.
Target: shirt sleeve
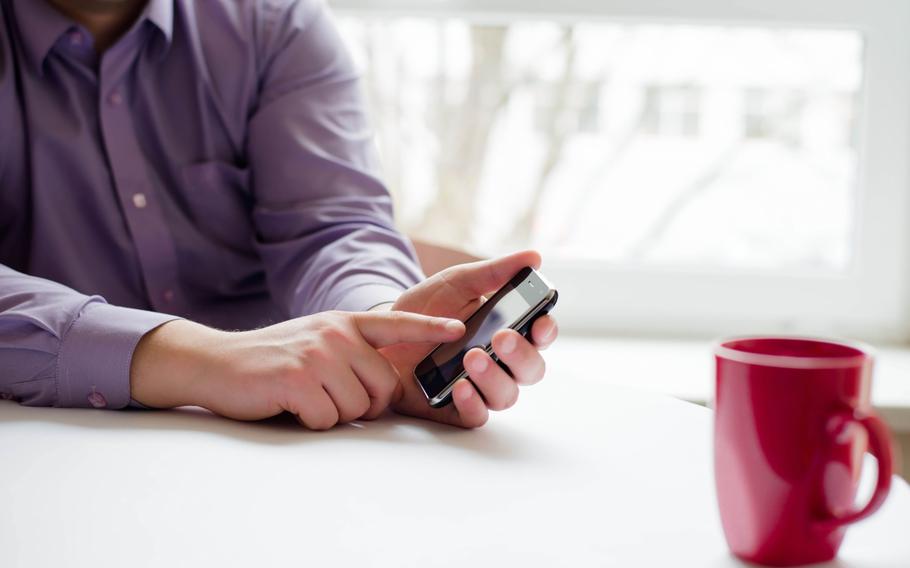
(323, 218)
(62, 348)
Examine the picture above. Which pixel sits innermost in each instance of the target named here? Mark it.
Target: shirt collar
(161, 13)
(40, 25)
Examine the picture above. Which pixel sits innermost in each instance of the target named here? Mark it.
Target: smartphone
(526, 297)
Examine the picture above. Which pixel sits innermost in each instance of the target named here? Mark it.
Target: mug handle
(879, 446)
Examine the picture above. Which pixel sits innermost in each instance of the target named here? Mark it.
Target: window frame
(869, 300)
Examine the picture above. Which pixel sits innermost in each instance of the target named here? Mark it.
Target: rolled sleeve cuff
(93, 366)
(367, 296)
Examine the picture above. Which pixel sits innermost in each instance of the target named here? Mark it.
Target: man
(211, 159)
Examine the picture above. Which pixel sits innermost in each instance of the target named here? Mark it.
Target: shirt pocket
(220, 206)
(220, 202)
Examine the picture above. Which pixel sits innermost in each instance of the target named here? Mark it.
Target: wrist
(173, 363)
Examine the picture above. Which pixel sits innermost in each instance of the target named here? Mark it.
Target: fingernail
(479, 365)
(453, 325)
(508, 344)
(463, 393)
(549, 334)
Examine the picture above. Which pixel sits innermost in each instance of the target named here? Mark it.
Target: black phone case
(524, 330)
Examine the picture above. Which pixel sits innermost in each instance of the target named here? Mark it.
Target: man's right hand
(323, 368)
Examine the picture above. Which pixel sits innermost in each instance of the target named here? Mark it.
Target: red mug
(792, 422)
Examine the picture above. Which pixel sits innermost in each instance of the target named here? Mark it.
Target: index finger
(380, 329)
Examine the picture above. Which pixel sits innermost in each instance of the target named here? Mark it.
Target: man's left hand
(457, 292)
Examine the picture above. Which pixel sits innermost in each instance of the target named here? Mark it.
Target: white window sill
(685, 369)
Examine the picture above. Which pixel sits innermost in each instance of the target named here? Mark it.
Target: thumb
(476, 279)
(388, 328)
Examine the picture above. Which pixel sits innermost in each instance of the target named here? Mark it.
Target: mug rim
(865, 356)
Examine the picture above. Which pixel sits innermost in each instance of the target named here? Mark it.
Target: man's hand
(456, 293)
(323, 368)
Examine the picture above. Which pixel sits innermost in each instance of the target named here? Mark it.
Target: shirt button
(97, 399)
(115, 98)
(139, 200)
(168, 296)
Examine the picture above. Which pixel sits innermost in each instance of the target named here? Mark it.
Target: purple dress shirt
(214, 164)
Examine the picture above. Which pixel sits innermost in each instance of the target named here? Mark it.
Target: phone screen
(479, 329)
(504, 309)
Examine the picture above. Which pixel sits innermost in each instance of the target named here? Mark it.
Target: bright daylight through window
(661, 145)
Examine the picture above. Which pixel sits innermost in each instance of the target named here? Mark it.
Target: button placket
(150, 233)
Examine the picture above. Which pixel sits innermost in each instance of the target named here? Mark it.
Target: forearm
(346, 263)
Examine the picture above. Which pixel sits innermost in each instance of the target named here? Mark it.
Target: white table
(578, 474)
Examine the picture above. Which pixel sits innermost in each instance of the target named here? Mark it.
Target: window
(574, 106)
(771, 115)
(671, 110)
(694, 168)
